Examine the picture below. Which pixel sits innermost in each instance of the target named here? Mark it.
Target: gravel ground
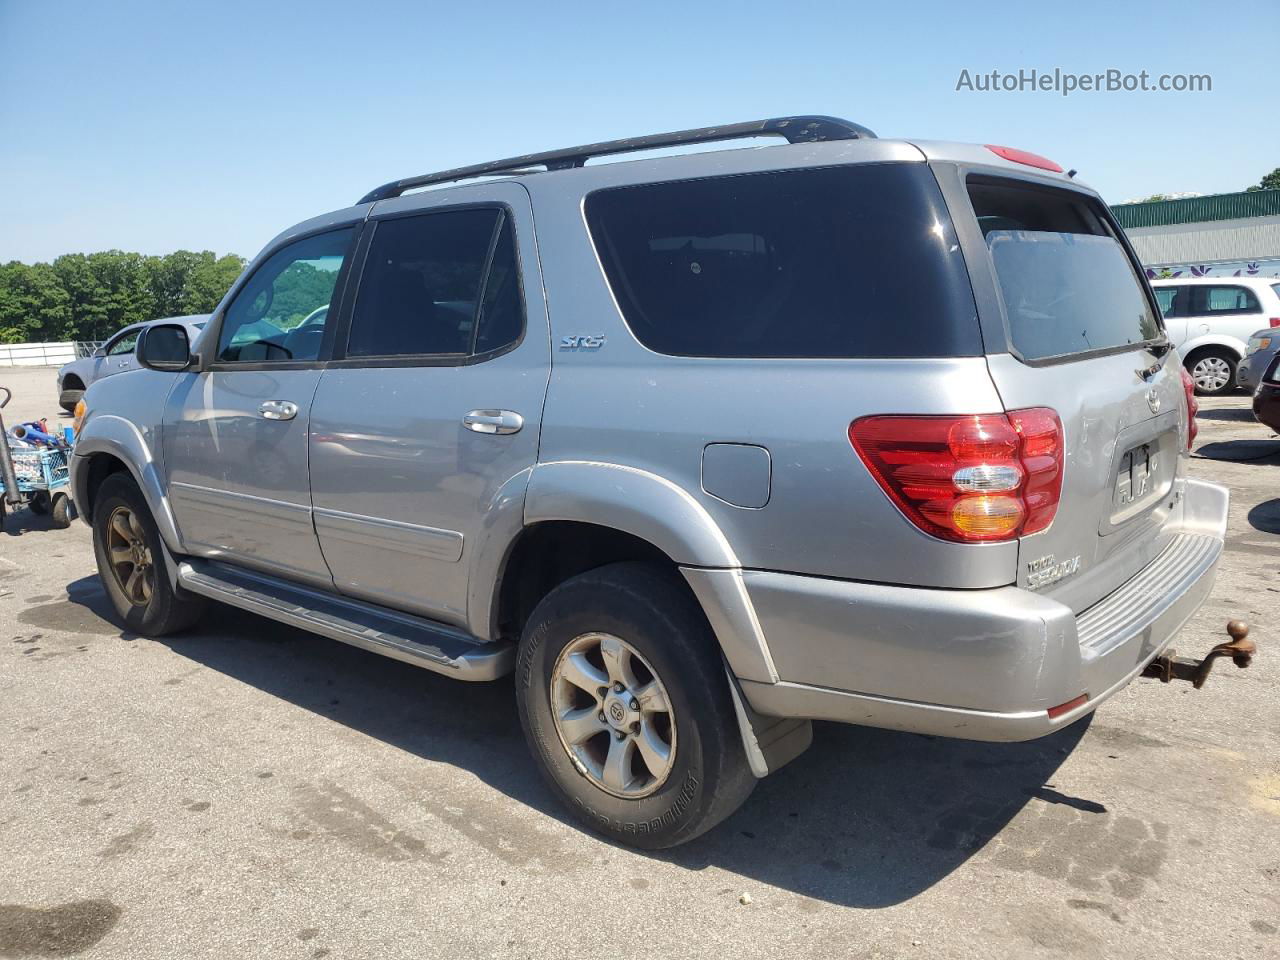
(248, 790)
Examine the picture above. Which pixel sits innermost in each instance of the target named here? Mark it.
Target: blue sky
(153, 125)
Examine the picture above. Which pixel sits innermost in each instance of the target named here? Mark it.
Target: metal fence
(37, 354)
(85, 348)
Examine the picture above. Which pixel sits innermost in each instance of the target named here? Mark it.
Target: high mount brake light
(1025, 157)
(969, 479)
(1193, 405)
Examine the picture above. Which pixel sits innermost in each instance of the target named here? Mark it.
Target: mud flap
(770, 742)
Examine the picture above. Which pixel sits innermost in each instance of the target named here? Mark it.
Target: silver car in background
(114, 356)
(1261, 349)
(700, 447)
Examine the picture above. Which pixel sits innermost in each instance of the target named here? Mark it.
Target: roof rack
(793, 129)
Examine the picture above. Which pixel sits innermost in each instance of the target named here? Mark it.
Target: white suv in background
(1210, 320)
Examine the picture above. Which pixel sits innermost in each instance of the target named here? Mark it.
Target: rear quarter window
(1067, 284)
(839, 262)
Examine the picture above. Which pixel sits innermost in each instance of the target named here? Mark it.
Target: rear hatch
(1081, 335)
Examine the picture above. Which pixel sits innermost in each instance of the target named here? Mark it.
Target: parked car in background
(649, 436)
(114, 356)
(1261, 350)
(1266, 399)
(1210, 320)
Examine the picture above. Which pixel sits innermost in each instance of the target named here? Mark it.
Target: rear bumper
(975, 664)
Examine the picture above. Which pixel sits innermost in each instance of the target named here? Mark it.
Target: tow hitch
(1170, 666)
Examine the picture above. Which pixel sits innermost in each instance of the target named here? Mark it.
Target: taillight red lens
(973, 478)
(1274, 322)
(1193, 405)
(1024, 157)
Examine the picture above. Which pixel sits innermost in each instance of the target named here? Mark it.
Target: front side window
(124, 345)
(1225, 299)
(439, 284)
(1067, 284)
(834, 262)
(281, 312)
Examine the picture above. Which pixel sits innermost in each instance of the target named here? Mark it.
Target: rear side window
(1223, 300)
(1170, 299)
(831, 262)
(1068, 285)
(438, 284)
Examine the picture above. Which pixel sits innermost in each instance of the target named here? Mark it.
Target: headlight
(78, 417)
(1259, 343)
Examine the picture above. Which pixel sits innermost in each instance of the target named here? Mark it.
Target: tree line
(90, 296)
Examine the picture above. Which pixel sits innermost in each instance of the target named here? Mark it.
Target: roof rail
(793, 129)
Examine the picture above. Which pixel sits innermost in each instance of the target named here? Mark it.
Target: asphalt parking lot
(248, 790)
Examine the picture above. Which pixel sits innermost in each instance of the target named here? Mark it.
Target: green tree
(1270, 182)
(90, 296)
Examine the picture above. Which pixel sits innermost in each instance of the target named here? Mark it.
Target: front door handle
(493, 421)
(278, 410)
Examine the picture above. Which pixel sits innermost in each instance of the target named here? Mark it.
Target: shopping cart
(37, 477)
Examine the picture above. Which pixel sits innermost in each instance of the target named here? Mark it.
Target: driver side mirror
(164, 346)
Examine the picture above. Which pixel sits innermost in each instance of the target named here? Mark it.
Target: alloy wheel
(613, 715)
(130, 557)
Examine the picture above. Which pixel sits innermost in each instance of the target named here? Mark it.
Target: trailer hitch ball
(1170, 666)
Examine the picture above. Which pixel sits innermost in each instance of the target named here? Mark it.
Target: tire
(39, 502)
(68, 399)
(151, 607)
(666, 639)
(61, 512)
(1213, 369)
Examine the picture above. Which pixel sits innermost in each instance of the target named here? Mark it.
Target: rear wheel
(624, 701)
(69, 397)
(1213, 370)
(39, 502)
(131, 562)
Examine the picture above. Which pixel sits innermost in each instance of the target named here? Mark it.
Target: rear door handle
(278, 410)
(493, 421)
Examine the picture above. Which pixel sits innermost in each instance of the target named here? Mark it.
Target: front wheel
(1213, 371)
(68, 398)
(131, 562)
(624, 701)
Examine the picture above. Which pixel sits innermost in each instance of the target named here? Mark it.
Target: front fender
(115, 436)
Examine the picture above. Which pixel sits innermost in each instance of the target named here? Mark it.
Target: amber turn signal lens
(987, 517)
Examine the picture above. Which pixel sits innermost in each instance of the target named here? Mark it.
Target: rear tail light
(1274, 322)
(1193, 405)
(967, 479)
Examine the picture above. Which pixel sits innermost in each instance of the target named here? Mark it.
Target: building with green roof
(1223, 235)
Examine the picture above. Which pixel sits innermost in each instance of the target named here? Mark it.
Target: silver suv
(700, 447)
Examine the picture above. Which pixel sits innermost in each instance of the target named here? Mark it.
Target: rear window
(1067, 284)
(833, 262)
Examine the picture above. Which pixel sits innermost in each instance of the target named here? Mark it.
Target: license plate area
(1143, 476)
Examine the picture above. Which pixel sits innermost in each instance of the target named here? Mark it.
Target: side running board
(415, 640)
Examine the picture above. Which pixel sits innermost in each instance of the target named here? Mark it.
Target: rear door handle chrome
(278, 410)
(493, 421)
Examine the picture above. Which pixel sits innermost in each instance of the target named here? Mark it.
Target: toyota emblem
(1153, 400)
